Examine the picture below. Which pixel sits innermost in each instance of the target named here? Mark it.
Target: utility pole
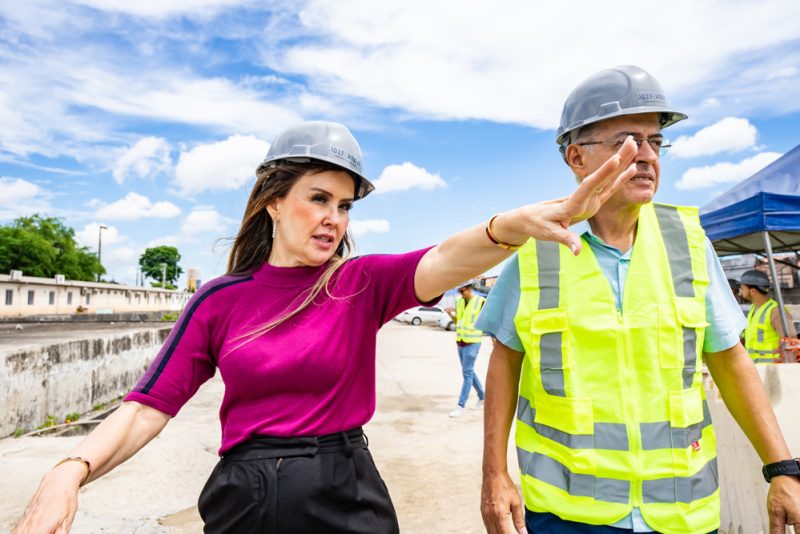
(163, 276)
(100, 247)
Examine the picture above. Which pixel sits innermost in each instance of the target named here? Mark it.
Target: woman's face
(312, 219)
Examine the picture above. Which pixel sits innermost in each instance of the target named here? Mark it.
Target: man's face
(466, 292)
(744, 292)
(643, 186)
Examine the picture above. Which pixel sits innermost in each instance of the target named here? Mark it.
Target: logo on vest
(696, 446)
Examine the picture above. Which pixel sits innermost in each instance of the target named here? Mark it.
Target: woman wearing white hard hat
(292, 328)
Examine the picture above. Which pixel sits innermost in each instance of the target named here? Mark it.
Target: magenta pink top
(312, 375)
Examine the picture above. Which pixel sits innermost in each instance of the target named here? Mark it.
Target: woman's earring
(274, 227)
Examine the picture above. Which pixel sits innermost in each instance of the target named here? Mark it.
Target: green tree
(44, 246)
(151, 261)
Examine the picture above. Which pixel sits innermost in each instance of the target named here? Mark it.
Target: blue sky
(149, 117)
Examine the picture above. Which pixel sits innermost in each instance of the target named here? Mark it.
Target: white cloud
(369, 226)
(135, 206)
(223, 165)
(21, 197)
(148, 157)
(205, 220)
(71, 95)
(783, 72)
(17, 191)
(165, 240)
(720, 173)
(728, 135)
(90, 234)
(470, 63)
(121, 256)
(406, 176)
(161, 9)
(710, 103)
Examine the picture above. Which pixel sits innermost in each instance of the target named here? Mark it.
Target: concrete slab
(430, 462)
(30, 334)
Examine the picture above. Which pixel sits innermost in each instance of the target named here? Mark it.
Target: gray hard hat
(755, 278)
(625, 90)
(323, 141)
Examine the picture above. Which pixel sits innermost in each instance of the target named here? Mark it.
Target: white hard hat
(323, 141)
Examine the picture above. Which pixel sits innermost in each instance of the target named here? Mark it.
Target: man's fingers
(518, 517)
(777, 524)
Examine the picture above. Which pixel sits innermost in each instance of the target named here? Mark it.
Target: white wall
(743, 489)
(29, 295)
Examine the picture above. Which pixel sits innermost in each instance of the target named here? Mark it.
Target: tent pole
(776, 284)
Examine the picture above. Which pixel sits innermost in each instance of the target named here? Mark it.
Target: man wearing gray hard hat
(600, 354)
(762, 337)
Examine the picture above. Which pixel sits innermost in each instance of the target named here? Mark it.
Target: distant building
(192, 280)
(22, 296)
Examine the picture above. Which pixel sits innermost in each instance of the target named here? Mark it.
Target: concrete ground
(430, 462)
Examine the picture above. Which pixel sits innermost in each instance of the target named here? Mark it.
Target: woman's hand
(470, 252)
(550, 220)
(52, 509)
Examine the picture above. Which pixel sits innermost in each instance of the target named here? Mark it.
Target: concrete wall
(29, 295)
(743, 489)
(72, 376)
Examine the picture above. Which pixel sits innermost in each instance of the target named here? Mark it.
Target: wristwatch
(785, 467)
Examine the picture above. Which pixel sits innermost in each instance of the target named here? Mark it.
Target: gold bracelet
(84, 461)
(496, 241)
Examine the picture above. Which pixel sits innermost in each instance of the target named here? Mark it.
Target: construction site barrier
(742, 487)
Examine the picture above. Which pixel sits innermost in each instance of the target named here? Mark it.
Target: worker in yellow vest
(600, 351)
(468, 341)
(764, 330)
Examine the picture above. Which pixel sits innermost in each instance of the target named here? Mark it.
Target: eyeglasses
(656, 142)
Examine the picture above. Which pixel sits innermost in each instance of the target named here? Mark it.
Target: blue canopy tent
(760, 215)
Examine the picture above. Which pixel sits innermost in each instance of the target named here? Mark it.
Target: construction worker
(764, 330)
(468, 341)
(600, 354)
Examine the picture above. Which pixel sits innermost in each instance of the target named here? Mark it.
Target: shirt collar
(584, 230)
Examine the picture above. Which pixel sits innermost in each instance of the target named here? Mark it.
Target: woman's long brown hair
(253, 243)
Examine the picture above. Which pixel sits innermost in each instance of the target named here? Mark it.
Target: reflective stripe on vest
(614, 436)
(466, 315)
(611, 410)
(760, 337)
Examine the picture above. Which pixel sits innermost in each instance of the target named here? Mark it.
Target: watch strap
(785, 467)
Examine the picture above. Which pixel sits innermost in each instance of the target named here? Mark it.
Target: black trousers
(326, 484)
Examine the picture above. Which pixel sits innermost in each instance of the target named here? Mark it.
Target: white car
(421, 314)
(446, 322)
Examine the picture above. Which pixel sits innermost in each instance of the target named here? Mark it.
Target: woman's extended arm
(470, 253)
(116, 439)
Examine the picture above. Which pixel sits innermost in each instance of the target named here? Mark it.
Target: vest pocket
(547, 328)
(679, 328)
(686, 421)
(569, 422)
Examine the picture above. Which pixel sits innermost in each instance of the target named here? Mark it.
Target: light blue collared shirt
(724, 317)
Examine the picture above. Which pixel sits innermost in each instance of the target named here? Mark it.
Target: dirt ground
(430, 462)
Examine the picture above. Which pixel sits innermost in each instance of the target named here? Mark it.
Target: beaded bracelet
(78, 459)
(496, 241)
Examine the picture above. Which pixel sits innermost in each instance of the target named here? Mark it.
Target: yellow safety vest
(760, 338)
(612, 412)
(466, 315)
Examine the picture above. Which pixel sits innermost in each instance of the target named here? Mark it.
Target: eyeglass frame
(617, 143)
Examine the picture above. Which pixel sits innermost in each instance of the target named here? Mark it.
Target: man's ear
(574, 156)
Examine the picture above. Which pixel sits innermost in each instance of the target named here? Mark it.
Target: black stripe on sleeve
(176, 340)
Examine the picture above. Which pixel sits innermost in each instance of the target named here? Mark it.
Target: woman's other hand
(53, 506)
